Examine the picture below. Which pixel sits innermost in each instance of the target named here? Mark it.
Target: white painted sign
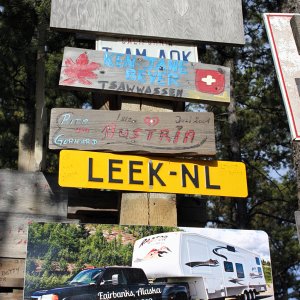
(151, 48)
(287, 64)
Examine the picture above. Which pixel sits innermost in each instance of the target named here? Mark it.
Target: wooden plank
(144, 47)
(147, 76)
(181, 20)
(14, 232)
(84, 169)
(125, 131)
(14, 295)
(12, 272)
(31, 193)
(295, 24)
(148, 209)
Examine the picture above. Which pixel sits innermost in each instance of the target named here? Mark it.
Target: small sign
(143, 75)
(152, 48)
(83, 169)
(123, 131)
(287, 63)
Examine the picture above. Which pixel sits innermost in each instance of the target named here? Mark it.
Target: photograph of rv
(107, 262)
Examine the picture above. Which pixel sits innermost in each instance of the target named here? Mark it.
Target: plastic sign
(83, 169)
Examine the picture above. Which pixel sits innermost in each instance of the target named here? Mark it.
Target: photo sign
(113, 262)
(124, 131)
(144, 76)
(84, 169)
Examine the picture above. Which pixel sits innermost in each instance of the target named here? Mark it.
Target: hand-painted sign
(144, 47)
(147, 76)
(181, 20)
(123, 131)
(84, 169)
(287, 63)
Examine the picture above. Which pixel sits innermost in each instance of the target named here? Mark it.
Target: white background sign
(151, 48)
(287, 63)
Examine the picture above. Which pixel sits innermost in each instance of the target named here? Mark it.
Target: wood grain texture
(295, 24)
(12, 272)
(212, 21)
(14, 232)
(31, 193)
(144, 76)
(148, 209)
(14, 295)
(128, 131)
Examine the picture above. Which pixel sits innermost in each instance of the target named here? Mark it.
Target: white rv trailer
(213, 269)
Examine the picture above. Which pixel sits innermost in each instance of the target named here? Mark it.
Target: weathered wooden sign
(84, 169)
(147, 76)
(123, 131)
(181, 20)
(12, 272)
(287, 61)
(151, 48)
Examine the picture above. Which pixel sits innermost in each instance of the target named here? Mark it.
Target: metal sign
(146, 76)
(151, 48)
(127, 131)
(287, 63)
(83, 169)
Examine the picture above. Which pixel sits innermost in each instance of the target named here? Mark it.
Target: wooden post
(148, 208)
(26, 161)
(40, 113)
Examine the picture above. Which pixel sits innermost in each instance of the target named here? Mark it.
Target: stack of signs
(156, 69)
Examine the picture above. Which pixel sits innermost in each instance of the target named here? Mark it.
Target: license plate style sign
(84, 169)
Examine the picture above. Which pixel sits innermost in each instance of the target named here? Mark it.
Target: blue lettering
(162, 54)
(144, 53)
(151, 60)
(175, 52)
(161, 79)
(173, 65)
(152, 76)
(172, 79)
(128, 51)
(185, 56)
(140, 77)
(130, 74)
(106, 48)
(129, 61)
(161, 65)
(108, 60)
(119, 62)
(182, 67)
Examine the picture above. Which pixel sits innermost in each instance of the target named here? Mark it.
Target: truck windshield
(87, 276)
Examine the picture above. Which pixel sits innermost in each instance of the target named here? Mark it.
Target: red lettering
(123, 133)
(189, 134)
(164, 133)
(150, 133)
(177, 135)
(109, 131)
(136, 133)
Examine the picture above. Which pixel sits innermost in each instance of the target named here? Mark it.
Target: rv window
(259, 270)
(257, 261)
(228, 266)
(240, 270)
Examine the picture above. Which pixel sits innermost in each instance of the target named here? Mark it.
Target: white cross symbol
(209, 80)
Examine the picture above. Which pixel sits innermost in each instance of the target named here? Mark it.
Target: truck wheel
(244, 296)
(252, 295)
(181, 296)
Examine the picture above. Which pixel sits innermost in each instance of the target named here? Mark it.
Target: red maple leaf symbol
(80, 70)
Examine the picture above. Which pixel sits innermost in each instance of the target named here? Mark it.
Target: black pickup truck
(114, 283)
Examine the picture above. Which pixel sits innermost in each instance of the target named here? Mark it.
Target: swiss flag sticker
(210, 81)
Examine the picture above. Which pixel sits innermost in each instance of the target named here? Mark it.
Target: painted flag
(210, 81)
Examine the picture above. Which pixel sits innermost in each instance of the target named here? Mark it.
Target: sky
(253, 240)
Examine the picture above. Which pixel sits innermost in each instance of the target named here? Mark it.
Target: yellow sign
(83, 169)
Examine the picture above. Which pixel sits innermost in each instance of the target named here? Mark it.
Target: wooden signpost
(144, 76)
(182, 20)
(124, 131)
(84, 169)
